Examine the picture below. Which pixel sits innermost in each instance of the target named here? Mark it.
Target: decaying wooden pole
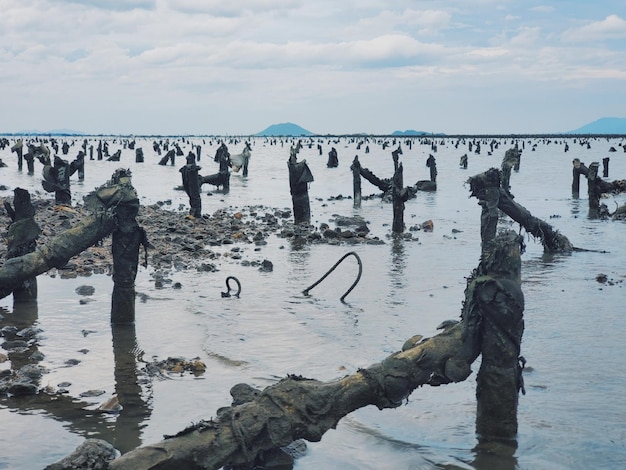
(22, 239)
(486, 187)
(103, 204)
(299, 178)
(594, 189)
(356, 181)
(399, 195)
(578, 168)
(127, 238)
(499, 379)
(510, 160)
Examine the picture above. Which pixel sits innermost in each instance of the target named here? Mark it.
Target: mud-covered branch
(102, 203)
(486, 188)
(300, 408)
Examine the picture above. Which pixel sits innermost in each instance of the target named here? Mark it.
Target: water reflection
(495, 455)
(123, 429)
(398, 264)
(134, 411)
(575, 206)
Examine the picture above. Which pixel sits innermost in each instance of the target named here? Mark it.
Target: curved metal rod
(356, 281)
(227, 293)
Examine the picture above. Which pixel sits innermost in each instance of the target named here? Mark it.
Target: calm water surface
(572, 416)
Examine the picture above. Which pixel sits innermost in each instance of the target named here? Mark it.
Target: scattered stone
(92, 393)
(266, 266)
(85, 290)
(93, 454)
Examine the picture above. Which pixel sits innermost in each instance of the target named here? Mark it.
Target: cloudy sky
(330, 66)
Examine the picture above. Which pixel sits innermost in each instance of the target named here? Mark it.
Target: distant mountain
(51, 132)
(411, 132)
(607, 125)
(284, 129)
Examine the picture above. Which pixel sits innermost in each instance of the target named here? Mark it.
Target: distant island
(604, 126)
(411, 132)
(287, 129)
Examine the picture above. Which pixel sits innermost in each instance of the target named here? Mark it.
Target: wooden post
(605, 167)
(501, 302)
(356, 181)
(593, 189)
(578, 168)
(18, 149)
(104, 202)
(398, 198)
(127, 238)
(191, 184)
(79, 163)
(22, 239)
(299, 178)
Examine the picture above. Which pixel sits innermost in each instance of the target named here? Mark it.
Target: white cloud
(612, 27)
(282, 55)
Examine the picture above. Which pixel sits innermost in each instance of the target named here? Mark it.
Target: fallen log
(103, 203)
(300, 408)
(486, 187)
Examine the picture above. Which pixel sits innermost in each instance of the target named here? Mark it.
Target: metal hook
(227, 293)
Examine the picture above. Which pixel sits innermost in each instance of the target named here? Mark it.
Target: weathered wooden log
(103, 203)
(383, 184)
(486, 187)
(299, 408)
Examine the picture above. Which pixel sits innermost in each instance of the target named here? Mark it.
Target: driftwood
(103, 203)
(300, 408)
(486, 187)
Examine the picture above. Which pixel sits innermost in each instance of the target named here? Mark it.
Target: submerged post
(501, 302)
(356, 181)
(398, 198)
(127, 238)
(17, 148)
(605, 167)
(578, 169)
(593, 189)
(22, 239)
(299, 178)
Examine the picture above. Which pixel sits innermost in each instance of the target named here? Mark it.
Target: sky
(235, 67)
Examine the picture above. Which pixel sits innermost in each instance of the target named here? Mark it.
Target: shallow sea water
(572, 416)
